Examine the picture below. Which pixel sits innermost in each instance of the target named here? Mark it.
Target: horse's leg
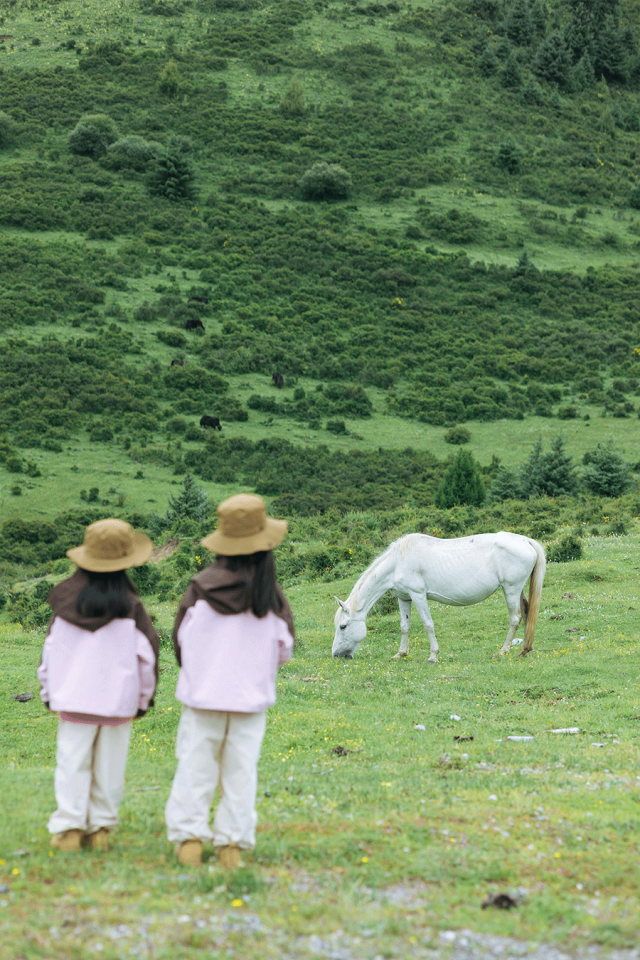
(422, 607)
(405, 621)
(514, 597)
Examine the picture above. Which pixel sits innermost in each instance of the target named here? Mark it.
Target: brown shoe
(69, 841)
(98, 840)
(189, 852)
(229, 856)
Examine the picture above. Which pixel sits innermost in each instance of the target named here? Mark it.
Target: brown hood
(64, 597)
(228, 592)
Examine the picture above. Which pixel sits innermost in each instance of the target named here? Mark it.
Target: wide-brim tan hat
(111, 545)
(244, 527)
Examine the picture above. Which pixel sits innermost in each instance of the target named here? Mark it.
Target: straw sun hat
(111, 545)
(244, 527)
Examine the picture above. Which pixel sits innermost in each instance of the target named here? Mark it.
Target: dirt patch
(161, 553)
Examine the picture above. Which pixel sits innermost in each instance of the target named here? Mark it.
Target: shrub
(169, 79)
(567, 413)
(325, 181)
(461, 483)
(133, 151)
(567, 547)
(457, 435)
(92, 135)
(634, 197)
(8, 130)
(336, 426)
(172, 338)
(293, 101)
(509, 156)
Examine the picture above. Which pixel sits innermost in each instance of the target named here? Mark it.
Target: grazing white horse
(462, 571)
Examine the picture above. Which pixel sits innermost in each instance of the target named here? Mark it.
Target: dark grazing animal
(176, 363)
(278, 380)
(207, 421)
(194, 323)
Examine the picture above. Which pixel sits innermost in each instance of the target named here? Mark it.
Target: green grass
(402, 836)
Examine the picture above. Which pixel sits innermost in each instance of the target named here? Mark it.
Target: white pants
(89, 778)
(212, 749)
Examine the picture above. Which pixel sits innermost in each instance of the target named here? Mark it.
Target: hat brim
(274, 533)
(141, 550)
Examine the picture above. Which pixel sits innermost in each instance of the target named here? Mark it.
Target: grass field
(375, 836)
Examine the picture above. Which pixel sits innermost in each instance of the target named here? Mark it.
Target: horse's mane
(353, 596)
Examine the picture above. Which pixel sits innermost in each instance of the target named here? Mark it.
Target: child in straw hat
(98, 671)
(233, 630)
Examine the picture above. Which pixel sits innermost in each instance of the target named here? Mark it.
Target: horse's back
(463, 570)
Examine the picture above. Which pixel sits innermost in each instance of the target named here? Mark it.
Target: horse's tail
(535, 594)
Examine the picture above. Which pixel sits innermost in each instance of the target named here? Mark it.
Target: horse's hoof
(398, 656)
(432, 660)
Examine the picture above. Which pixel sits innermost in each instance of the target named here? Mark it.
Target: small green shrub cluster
(332, 401)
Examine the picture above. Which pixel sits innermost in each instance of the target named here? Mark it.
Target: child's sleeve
(146, 672)
(42, 672)
(285, 645)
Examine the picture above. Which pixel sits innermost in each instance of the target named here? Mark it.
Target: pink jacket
(229, 662)
(108, 672)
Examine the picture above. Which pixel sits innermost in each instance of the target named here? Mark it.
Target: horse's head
(350, 632)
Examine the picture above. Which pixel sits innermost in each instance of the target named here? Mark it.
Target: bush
(457, 435)
(8, 130)
(169, 80)
(92, 135)
(461, 483)
(325, 181)
(135, 152)
(172, 338)
(634, 198)
(509, 156)
(336, 426)
(565, 548)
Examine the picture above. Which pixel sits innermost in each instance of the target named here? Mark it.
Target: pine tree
(488, 62)
(192, 503)
(607, 474)
(505, 486)
(610, 52)
(553, 60)
(549, 474)
(461, 483)
(510, 75)
(518, 25)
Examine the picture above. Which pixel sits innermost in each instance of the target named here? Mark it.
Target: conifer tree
(461, 483)
(549, 474)
(607, 474)
(518, 25)
(553, 60)
(510, 75)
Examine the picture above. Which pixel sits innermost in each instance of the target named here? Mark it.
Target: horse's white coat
(462, 571)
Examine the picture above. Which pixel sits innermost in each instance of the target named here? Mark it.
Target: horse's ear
(341, 604)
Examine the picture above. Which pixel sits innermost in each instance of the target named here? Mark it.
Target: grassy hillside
(471, 258)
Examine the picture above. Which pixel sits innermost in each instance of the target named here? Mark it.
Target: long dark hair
(261, 589)
(105, 595)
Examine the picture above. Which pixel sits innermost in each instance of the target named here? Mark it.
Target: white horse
(460, 572)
